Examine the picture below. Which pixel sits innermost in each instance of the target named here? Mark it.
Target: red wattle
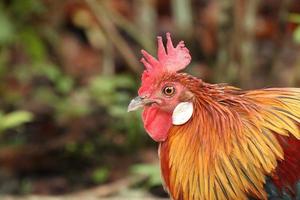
(157, 123)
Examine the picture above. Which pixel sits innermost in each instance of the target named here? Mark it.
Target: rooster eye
(169, 90)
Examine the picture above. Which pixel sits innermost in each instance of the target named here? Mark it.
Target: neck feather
(196, 157)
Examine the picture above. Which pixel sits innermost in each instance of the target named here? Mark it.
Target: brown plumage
(232, 141)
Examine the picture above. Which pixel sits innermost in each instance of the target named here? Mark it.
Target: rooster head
(166, 101)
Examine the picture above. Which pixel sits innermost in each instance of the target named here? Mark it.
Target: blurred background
(68, 70)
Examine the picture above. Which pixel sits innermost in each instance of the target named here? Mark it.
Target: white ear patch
(182, 113)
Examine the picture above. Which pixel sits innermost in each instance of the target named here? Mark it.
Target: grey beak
(139, 102)
(135, 104)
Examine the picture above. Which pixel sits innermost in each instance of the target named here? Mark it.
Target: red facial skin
(157, 117)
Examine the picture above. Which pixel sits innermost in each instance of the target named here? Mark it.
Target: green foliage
(105, 89)
(88, 148)
(296, 35)
(112, 93)
(33, 43)
(71, 147)
(100, 175)
(75, 105)
(294, 18)
(152, 171)
(25, 186)
(24, 9)
(7, 29)
(14, 119)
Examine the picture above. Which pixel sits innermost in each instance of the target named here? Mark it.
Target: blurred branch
(147, 21)
(236, 55)
(142, 36)
(100, 11)
(182, 11)
(108, 60)
(247, 36)
(278, 62)
(224, 39)
(111, 188)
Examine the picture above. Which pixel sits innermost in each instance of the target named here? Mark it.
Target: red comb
(171, 59)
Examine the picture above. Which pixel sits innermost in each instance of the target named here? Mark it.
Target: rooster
(217, 142)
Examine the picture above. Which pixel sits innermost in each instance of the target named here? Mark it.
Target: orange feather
(233, 140)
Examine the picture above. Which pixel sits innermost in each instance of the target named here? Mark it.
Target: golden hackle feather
(229, 144)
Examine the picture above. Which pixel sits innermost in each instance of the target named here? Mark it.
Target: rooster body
(223, 142)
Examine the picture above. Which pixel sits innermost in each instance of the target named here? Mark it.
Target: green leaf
(71, 147)
(100, 175)
(34, 44)
(75, 105)
(7, 29)
(294, 18)
(23, 9)
(88, 148)
(65, 84)
(52, 72)
(150, 170)
(26, 186)
(296, 35)
(14, 119)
